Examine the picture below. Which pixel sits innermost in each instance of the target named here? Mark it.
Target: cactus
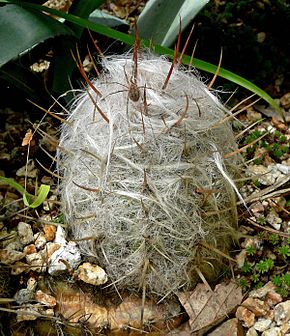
(145, 188)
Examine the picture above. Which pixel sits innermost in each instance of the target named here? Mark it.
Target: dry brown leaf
(76, 306)
(28, 137)
(207, 308)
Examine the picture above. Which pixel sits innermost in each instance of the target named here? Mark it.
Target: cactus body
(140, 175)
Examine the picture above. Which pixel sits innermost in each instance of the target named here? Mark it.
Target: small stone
(66, 256)
(265, 176)
(285, 101)
(230, 327)
(252, 332)
(240, 258)
(31, 283)
(25, 233)
(60, 235)
(8, 257)
(246, 316)
(27, 314)
(28, 170)
(285, 328)
(274, 220)
(24, 295)
(92, 274)
(261, 293)
(258, 307)
(284, 169)
(29, 249)
(49, 232)
(40, 240)
(48, 206)
(15, 245)
(36, 262)
(272, 332)
(262, 324)
(49, 249)
(19, 267)
(282, 312)
(45, 299)
(272, 298)
(257, 208)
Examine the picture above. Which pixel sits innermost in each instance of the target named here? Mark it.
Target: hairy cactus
(145, 187)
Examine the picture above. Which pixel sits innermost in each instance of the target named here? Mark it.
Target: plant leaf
(206, 308)
(22, 28)
(41, 197)
(100, 17)
(159, 22)
(13, 184)
(127, 39)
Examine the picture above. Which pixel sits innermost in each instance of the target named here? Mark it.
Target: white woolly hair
(145, 178)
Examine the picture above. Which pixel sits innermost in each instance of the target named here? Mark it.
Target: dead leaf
(76, 306)
(28, 137)
(206, 308)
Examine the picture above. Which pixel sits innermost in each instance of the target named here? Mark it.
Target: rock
(60, 235)
(240, 258)
(24, 295)
(285, 328)
(28, 170)
(257, 208)
(282, 312)
(49, 249)
(25, 233)
(246, 316)
(49, 232)
(265, 177)
(274, 220)
(36, 262)
(29, 313)
(272, 332)
(66, 256)
(92, 274)
(262, 324)
(45, 299)
(252, 332)
(31, 283)
(48, 206)
(29, 249)
(285, 101)
(40, 240)
(258, 307)
(267, 293)
(272, 298)
(230, 327)
(15, 245)
(284, 169)
(8, 257)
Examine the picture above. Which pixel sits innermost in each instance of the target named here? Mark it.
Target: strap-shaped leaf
(40, 198)
(13, 184)
(159, 20)
(128, 39)
(22, 28)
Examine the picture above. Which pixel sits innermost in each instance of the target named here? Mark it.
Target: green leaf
(159, 21)
(100, 17)
(41, 197)
(13, 184)
(22, 28)
(127, 39)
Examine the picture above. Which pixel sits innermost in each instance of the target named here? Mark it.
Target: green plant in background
(31, 201)
(76, 20)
